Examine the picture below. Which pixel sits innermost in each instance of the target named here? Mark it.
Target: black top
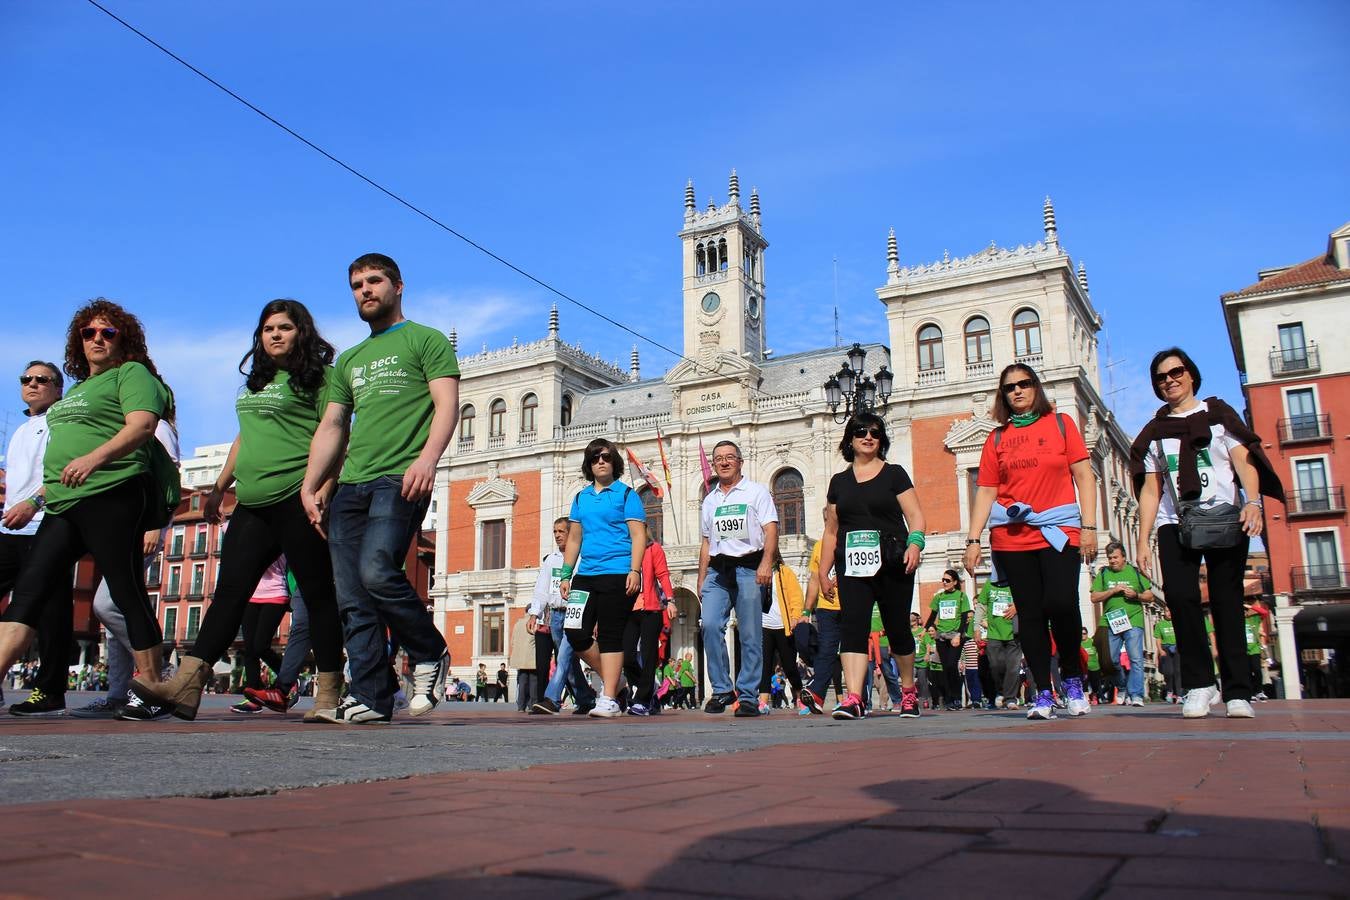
(870, 506)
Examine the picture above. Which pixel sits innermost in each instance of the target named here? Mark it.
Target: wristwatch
(38, 502)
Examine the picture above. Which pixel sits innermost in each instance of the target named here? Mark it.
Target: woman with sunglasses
(607, 530)
(287, 369)
(1223, 455)
(875, 512)
(1040, 531)
(96, 475)
(949, 612)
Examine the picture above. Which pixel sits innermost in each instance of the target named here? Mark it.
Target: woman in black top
(874, 504)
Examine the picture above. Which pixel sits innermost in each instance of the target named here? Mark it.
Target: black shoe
(584, 709)
(137, 710)
(544, 707)
(747, 710)
(39, 705)
(718, 703)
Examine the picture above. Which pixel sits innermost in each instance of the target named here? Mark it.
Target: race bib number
(576, 608)
(1251, 635)
(730, 522)
(1118, 621)
(554, 580)
(947, 609)
(862, 554)
(1204, 467)
(1000, 608)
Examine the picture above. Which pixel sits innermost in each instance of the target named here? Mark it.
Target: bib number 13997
(576, 608)
(862, 554)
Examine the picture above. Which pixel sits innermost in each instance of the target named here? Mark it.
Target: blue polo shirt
(606, 548)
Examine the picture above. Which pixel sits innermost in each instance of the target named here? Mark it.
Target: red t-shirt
(1031, 465)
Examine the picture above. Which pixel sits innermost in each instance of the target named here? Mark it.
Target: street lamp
(856, 391)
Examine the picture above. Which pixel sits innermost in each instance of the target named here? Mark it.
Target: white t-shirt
(23, 468)
(1218, 482)
(546, 593)
(773, 619)
(733, 522)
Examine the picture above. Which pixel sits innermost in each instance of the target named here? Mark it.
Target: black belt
(725, 564)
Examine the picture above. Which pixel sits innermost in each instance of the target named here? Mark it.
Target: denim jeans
(826, 663)
(568, 670)
(1133, 640)
(717, 600)
(370, 530)
(297, 642)
(890, 674)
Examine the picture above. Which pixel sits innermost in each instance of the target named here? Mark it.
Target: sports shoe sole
(44, 714)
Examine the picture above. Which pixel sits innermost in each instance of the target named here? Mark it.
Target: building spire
(754, 205)
(454, 339)
(712, 204)
(1048, 213)
(553, 322)
(734, 189)
(634, 367)
(892, 254)
(689, 201)
(1082, 276)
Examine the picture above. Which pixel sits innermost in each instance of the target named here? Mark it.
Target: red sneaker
(270, 697)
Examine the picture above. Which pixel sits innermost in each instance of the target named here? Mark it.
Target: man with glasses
(739, 524)
(39, 387)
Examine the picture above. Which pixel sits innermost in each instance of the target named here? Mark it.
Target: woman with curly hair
(95, 482)
(287, 369)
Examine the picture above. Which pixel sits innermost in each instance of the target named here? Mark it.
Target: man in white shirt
(547, 611)
(39, 387)
(739, 524)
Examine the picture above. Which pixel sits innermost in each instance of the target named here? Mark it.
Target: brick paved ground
(1117, 805)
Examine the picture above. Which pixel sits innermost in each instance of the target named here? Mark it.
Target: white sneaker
(998, 702)
(428, 685)
(1136, 701)
(1196, 703)
(1120, 699)
(1261, 697)
(605, 708)
(353, 712)
(1240, 709)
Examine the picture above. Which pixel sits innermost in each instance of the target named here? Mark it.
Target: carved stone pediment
(713, 363)
(494, 490)
(968, 435)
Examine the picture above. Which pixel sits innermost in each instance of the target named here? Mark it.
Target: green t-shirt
(935, 660)
(1133, 608)
(1252, 625)
(87, 417)
(949, 605)
(1165, 633)
(920, 648)
(686, 672)
(383, 380)
(992, 599)
(275, 428)
(878, 628)
(1094, 664)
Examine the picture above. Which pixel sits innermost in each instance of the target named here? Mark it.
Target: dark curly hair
(308, 358)
(864, 420)
(130, 342)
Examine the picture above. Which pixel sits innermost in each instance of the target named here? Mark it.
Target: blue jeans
(297, 642)
(720, 592)
(1134, 648)
(826, 664)
(370, 529)
(568, 670)
(890, 673)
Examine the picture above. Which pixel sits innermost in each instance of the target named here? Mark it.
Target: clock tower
(723, 279)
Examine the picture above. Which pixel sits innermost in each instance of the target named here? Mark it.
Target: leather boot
(182, 693)
(327, 694)
(149, 663)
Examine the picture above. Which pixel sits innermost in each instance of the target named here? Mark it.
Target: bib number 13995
(862, 554)
(576, 608)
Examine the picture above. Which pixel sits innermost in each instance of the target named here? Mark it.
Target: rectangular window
(492, 639)
(1302, 414)
(1293, 346)
(1324, 567)
(198, 580)
(176, 543)
(1310, 476)
(175, 580)
(494, 544)
(171, 624)
(194, 622)
(220, 536)
(199, 544)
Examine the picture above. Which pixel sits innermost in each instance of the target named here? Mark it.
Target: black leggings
(778, 644)
(642, 630)
(256, 537)
(893, 594)
(261, 621)
(56, 631)
(1223, 576)
(108, 526)
(606, 613)
(951, 668)
(1045, 583)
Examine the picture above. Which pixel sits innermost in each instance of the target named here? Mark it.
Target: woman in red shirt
(1029, 470)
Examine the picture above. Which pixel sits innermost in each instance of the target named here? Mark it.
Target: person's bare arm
(979, 517)
(138, 430)
(420, 477)
(1086, 481)
(325, 448)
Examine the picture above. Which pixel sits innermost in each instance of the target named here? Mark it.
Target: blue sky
(1186, 145)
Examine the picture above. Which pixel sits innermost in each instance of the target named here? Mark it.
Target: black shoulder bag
(1214, 526)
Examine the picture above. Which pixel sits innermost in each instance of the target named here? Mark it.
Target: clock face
(711, 301)
(752, 308)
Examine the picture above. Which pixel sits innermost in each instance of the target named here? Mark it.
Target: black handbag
(892, 552)
(1204, 526)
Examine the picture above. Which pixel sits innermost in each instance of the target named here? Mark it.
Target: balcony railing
(496, 440)
(979, 369)
(1295, 360)
(1306, 579)
(1309, 427)
(175, 552)
(1035, 360)
(1316, 502)
(528, 437)
(932, 376)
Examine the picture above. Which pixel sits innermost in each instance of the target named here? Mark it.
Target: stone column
(1284, 622)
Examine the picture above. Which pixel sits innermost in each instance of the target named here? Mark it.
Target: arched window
(979, 343)
(1026, 333)
(700, 261)
(930, 348)
(497, 418)
(652, 507)
(565, 411)
(722, 254)
(787, 497)
(466, 416)
(529, 409)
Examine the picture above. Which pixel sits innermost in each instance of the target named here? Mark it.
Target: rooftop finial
(553, 321)
(689, 201)
(734, 189)
(1082, 276)
(634, 368)
(892, 254)
(712, 204)
(454, 339)
(754, 205)
(1048, 211)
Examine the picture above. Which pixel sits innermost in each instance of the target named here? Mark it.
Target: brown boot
(149, 663)
(326, 695)
(182, 693)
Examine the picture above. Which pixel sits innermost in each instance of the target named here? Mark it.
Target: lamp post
(854, 390)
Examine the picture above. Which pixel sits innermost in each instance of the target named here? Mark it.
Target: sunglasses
(108, 333)
(1025, 384)
(1170, 375)
(602, 456)
(26, 380)
(948, 581)
(864, 432)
